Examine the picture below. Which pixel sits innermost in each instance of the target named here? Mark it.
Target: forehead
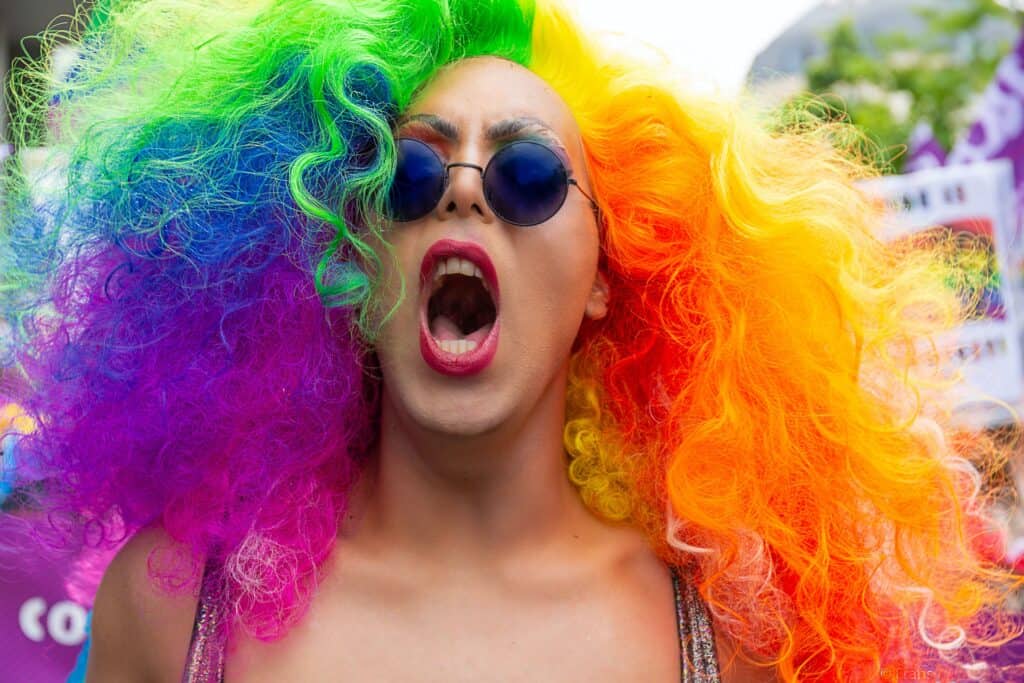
(478, 92)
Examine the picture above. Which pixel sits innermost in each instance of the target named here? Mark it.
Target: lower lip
(462, 364)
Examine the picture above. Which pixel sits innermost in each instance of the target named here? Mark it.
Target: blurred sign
(925, 151)
(998, 132)
(974, 207)
(40, 628)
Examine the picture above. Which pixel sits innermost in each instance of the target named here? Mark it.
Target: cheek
(560, 280)
(573, 253)
(387, 287)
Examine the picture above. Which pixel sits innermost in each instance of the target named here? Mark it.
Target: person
(436, 340)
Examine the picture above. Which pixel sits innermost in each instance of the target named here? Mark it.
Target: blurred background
(936, 89)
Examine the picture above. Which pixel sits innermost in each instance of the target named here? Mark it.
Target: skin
(467, 554)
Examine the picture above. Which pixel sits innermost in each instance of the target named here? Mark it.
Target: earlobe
(597, 302)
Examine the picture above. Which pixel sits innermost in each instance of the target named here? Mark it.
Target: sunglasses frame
(569, 180)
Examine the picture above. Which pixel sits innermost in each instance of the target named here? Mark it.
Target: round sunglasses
(525, 182)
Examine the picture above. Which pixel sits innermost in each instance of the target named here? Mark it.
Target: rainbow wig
(190, 316)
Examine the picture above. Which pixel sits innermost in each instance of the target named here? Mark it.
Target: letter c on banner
(30, 619)
(65, 621)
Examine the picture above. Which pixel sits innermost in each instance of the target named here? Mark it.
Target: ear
(597, 301)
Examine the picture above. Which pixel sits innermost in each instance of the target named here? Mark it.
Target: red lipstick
(440, 360)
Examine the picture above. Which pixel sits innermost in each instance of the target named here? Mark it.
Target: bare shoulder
(140, 632)
(651, 577)
(645, 579)
(736, 669)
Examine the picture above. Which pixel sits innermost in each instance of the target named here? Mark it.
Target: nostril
(450, 207)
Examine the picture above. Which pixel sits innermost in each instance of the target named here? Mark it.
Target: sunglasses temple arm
(597, 209)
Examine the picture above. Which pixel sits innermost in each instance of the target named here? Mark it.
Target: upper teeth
(454, 265)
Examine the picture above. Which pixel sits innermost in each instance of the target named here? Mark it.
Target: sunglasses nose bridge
(463, 200)
(460, 164)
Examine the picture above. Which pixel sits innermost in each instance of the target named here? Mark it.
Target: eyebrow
(442, 127)
(510, 128)
(502, 130)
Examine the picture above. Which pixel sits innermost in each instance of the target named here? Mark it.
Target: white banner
(975, 206)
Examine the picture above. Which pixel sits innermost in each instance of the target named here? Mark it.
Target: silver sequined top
(205, 662)
(698, 659)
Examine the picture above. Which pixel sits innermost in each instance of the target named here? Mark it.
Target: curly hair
(190, 314)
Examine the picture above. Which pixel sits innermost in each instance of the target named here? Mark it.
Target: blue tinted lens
(418, 183)
(525, 183)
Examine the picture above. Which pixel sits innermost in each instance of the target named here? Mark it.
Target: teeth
(459, 266)
(457, 346)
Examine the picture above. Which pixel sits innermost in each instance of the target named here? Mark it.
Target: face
(491, 309)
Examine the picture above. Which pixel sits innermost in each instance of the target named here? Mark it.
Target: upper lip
(444, 249)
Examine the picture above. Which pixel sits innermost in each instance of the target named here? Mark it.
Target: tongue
(442, 328)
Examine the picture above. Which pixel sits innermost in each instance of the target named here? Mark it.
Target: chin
(468, 415)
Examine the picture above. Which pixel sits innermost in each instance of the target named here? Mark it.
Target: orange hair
(760, 378)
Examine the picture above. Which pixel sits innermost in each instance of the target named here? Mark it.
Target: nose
(464, 194)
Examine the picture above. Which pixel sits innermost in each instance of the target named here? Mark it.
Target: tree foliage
(887, 85)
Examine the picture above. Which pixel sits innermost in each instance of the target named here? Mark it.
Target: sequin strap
(699, 661)
(205, 663)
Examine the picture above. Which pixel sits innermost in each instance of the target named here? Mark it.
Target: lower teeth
(457, 346)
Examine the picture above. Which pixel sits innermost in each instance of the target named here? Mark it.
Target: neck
(461, 499)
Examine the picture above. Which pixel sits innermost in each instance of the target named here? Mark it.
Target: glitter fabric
(205, 663)
(699, 661)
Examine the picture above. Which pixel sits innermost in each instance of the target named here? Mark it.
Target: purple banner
(998, 131)
(924, 150)
(40, 627)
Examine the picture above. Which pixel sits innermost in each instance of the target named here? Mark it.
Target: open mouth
(460, 311)
(459, 308)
